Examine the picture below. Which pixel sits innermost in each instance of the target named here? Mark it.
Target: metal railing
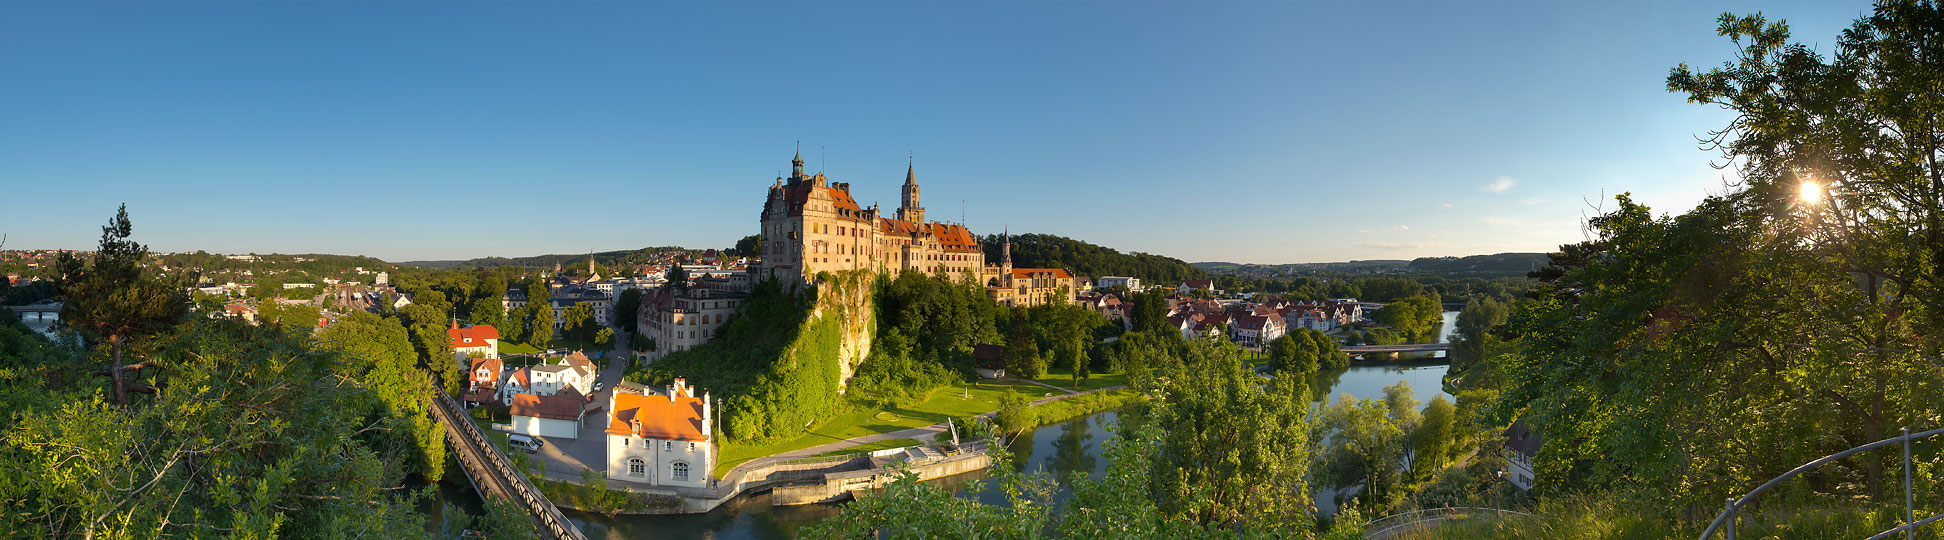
(1909, 528)
(492, 466)
(1425, 516)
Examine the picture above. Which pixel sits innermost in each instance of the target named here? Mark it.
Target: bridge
(1414, 347)
(40, 311)
(493, 475)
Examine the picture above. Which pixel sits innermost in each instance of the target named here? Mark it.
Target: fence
(1909, 528)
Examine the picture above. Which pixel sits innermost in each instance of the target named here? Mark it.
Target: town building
(660, 440)
(1026, 287)
(1132, 283)
(1522, 445)
(812, 225)
(480, 339)
(1255, 330)
(553, 415)
(679, 319)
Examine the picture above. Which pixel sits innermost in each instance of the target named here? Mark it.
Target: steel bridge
(493, 475)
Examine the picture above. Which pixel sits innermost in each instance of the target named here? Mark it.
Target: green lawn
(508, 347)
(958, 400)
(1063, 378)
(872, 447)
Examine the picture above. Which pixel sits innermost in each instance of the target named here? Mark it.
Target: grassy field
(508, 347)
(958, 400)
(1074, 407)
(872, 447)
(1063, 378)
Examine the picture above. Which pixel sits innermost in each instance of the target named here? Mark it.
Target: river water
(1059, 450)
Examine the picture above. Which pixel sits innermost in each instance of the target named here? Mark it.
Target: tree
(541, 330)
(749, 246)
(115, 298)
(487, 310)
(627, 307)
(1472, 336)
(1233, 452)
(577, 324)
(1431, 444)
(427, 328)
(1022, 351)
(604, 337)
(378, 352)
(677, 277)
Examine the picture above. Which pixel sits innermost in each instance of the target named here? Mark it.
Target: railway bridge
(493, 475)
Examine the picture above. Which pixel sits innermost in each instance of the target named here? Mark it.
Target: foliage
(627, 309)
(1049, 251)
(1022, 355)
(427, 326)
(1368, 443)
(907, 508)
(774, 364)
(1431, 444)
(1303, 351)
(1472, 337)
(1235, 453)
(376, 350)
(540, 329)
(252, 432)
(115, 299)
(577, 324)
(1416, 319)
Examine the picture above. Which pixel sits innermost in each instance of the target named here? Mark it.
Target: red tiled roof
(563, 405)
(491, 364)
(1028, 272)
(472, 336)
(660, 418)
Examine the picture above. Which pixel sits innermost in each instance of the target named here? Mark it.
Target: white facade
(661, 440)
(546, 427)
(1132, 283)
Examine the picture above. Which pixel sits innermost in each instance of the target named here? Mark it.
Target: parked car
(524, 442)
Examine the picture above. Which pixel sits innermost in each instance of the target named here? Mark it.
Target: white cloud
(1366, 231)
(1401, 228)
(1446, 205)
(1501, 185)
(1501, 220)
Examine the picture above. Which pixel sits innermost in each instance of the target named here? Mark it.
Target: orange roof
(563, 405)
(472, 336)
(1028, 272)
(842, 200)
(679, 419)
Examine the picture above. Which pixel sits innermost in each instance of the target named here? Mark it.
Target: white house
(481, 338)
(1132, 283)
(556, 415)
(580, 373)
(1255, 330)
(1521, 446)
(661, 440)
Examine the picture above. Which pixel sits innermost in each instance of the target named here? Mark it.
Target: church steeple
(796, 165)
(909, 210)
(1005, 250)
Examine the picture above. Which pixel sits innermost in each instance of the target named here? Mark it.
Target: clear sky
(1236, 131)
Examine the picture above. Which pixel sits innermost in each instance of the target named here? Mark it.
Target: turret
(909, 209)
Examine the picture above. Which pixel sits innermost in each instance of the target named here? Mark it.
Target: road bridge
(1413, 347)
(492, 474)
(40, 311)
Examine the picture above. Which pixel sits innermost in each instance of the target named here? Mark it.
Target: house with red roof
(480, 338)
(660, 438)
(554, 415)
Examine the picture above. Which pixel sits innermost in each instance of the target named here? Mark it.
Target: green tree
(1233, 452)
(748, 246)
(627, 307)
(427, 327)
(117, 299)
(577, 324)
(1431, 444)
(1022, 351)
(487, 310)
(377, 351)
(541, 330)
(1472, 336)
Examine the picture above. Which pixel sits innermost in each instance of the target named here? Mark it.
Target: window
(668, 445)
(679, 471)
(624, 443)
(637, 467)
(691, 447)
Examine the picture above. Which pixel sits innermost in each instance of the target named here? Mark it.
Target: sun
(1811, 193)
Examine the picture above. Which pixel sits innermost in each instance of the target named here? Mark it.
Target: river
(1057, 449)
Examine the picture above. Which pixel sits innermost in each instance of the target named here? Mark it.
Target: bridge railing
(543, 510)
(1729, 515)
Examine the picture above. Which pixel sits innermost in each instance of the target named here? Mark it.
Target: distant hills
(1083, 259)
(605, 258)
(1501, 264)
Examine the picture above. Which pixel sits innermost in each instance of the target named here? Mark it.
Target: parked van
(524, 442)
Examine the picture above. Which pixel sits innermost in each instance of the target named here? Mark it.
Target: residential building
(483, 380)
(1255, 330)
(1522, 445)
(1192, 285)
(679, 319)
(1026, 287)
(480, 338)
(661, 440)
(1132, 284)
(552, 415)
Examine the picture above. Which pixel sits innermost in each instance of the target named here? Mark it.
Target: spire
(1005, 249)
(796, 164)
(911, 174)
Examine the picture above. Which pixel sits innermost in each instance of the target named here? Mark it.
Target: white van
(524, 442)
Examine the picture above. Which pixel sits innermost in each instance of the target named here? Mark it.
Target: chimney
(671, 393)
(705, 415)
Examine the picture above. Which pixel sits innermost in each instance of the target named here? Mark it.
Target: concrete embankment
(927, 463)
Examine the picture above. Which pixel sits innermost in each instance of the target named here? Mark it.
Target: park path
(1029, 381)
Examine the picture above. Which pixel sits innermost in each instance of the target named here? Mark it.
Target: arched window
(637, 467)
(679, 471)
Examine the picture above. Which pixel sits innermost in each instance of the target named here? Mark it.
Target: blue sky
(1238, 131)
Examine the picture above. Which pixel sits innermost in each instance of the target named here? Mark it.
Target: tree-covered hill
(605, 258)
(1517, 264)
(1084, 259)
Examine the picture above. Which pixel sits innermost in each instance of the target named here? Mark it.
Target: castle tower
(796, 166)
(909, 210)
(1005, 252)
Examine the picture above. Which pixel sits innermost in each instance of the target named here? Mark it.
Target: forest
(1032, 250)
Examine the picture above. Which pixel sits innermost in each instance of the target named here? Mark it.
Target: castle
(812, 225)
